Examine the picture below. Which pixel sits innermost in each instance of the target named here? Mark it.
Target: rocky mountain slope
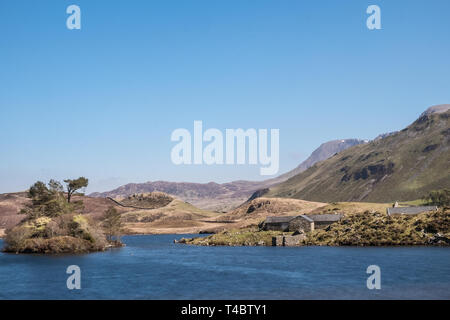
(226, 196)
(401, 166)
(323, 152)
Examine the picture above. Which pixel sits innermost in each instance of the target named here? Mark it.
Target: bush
(16, 238)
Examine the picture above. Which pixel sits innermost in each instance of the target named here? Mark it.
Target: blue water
(153, 267)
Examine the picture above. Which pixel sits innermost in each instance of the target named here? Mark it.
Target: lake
(153, 267)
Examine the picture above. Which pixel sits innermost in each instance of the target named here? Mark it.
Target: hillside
(323, 152)
(10, 205)
(401, 166)
(150, 200)
(253, 212)
(141, 213)
(176, 217)
(208, 196)
(226, 196)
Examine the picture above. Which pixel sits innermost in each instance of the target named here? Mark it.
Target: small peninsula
(357, 229)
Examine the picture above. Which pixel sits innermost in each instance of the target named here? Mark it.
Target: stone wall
(301, 223)
(288, 241)
(278, 241)
(276, 226)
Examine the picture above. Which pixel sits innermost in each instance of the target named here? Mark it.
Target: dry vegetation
(149, 200)
(236, 237)
(352, 207)
(364, 223)
(69, 233)
(356, 229)
(10, 205)
(52, 222)
(378, 229)
(175, 216)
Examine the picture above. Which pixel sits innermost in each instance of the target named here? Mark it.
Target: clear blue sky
(102, 101)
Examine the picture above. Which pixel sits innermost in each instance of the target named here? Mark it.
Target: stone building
(299, 225)
(277, 223)
(321, 221)
(303, 222)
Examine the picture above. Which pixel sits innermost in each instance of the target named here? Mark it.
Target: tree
(39, 193)
(75, 185)
(55, 186)
(47, 201)
(112, 223)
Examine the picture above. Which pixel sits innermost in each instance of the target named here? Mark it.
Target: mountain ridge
(226, 196)
(404, 165)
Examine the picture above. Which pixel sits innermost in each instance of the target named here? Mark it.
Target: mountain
(226, 196)
(210, 196)
(404, 165)
(384, 135)
(323, 152)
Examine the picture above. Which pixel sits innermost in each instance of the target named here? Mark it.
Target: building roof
(306, 218)
(410, 210)
(329, 217)
(279, 219)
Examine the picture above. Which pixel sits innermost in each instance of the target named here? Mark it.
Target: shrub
(16, 238)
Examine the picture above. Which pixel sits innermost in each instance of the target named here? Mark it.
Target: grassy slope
(176, 217)
(419, 154)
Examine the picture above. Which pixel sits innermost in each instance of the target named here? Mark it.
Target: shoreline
(2, 236)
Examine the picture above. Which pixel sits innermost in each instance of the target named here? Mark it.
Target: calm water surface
(153, 267)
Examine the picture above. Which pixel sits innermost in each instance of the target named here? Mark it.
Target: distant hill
(226, 196)
(10, 205)
(404, 165)
(151, 200)
(255, 211)
(208, 196)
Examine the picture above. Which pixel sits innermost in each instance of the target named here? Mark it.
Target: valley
(350, 177)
